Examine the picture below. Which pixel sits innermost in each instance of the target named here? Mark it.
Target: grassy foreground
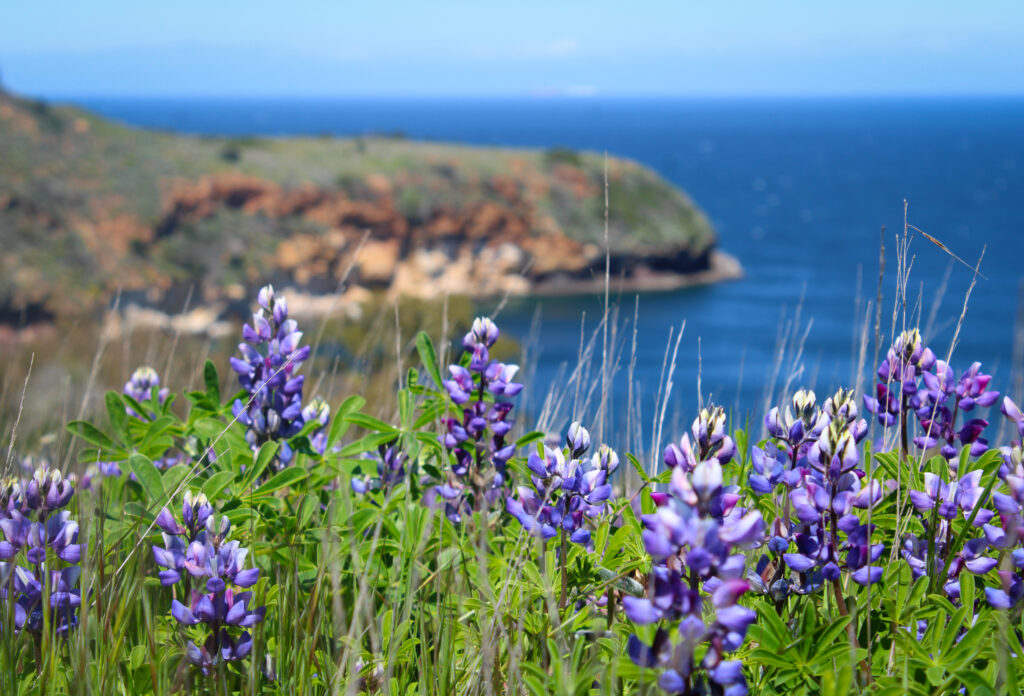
(245, 538)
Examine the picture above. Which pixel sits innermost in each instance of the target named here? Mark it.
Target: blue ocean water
(798, 190)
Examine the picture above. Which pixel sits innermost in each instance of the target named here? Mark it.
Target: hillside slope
(89, 207)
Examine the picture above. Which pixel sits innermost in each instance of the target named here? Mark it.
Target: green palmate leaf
(890, 462)
(367, 444)
(406, 403)
(975, 683)
(117, 415)
(309, 505)
(239, 515)
(148, 476)
(951, 633)
(771, 658)
(428, 356)
(529, 439)
(972, 642)
(140, 410)
(266, 455)
(212, 381)
(638, 468)
(217, 483)
(340, 425)
(282, 479)
(829, 634)
(773, 623)
(428, 413)
(173, 477)
(91, 434)
(370, 423)
(838, 683)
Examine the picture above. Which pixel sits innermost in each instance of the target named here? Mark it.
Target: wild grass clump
(322, 550)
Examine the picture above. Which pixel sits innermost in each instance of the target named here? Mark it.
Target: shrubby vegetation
(264, 541)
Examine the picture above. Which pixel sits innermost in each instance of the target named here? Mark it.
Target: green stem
(563, 559)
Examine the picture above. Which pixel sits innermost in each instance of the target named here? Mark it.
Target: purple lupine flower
(220, 599)
(1013, 412)
(943, 399)
(567, 488)
(707, 439)
(140, 387)
(693, 549)
(391, 462)
(808, 467)
(271, 356)
(799, 423)
(476, 435)
(824, 505)
(898, 374)
(906, 360)
(957, 496)
(317, 411)
(38, 537)
(971, 557)
(972, 389)
(936, 506)
(885, 405)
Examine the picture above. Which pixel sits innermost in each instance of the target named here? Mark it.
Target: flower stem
(563, 559)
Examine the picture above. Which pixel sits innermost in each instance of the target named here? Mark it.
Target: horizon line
(538, 96)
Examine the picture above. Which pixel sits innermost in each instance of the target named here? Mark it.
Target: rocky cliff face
(90, 209)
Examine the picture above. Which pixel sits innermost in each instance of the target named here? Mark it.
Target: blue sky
(681, 48)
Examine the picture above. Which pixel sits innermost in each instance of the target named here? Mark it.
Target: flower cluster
(39, 538)
(710, 441)
(1008, 537)
(943, 399)
(911, 379)
(567, 488)
(208, 557)
(898, 377)
(317, 411)
(692, 538)
(271, 356)
(140, 387)
(476, 436)
(390, 462)
(811, 467)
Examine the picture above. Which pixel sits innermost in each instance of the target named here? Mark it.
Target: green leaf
(968, 647)
(217, 483)
(425, 347)
(282, 479)
(529, 439)
(148, 476)
(638, 467)
(370, 423)
(266, 455)
(340, 425)
(828, 635)
(768, 657)
(212, 381)
(310, 502)
(91, 434)
(172, 478)
(137, 657)
(775, 625)
(975, 683)
(117, 415)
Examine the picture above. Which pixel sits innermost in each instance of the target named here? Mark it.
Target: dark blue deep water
(797, 190)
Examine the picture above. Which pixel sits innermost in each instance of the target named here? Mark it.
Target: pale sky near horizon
(67, 48)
